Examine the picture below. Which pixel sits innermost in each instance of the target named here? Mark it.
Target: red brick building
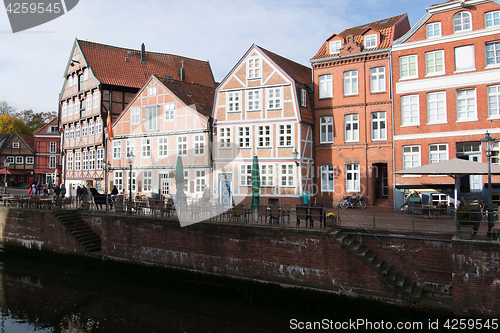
(446, 73)
(48, 153)
(353, 112)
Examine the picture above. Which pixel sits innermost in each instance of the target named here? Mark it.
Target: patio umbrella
(255, 183)
(179, 180)
(49, 182)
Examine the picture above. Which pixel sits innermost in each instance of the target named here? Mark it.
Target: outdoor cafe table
(429, 209)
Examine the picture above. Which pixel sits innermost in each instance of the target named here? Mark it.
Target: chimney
(143, 54)
(182, 72)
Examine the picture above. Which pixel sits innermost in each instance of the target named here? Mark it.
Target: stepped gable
(123, 67)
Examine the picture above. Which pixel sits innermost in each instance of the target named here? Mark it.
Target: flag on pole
(109, 127)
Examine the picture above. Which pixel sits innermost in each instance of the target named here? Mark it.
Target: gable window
(350, 83)
(285, 135)
(433, 29)
(494, 101)
(466, 105)
(377, 79)
(464, 58)
(287, 175)
(85, 74)
(492, 19)
(327, 178)
(352, 178)
(326, 129)
(117, 149)
(493, 53)
(19, 160)
(53, 129)
(267, 175)
(152, 118)
(182, 145)
(370, 41)
(438, 153)
(69, 161)
(436, 107)
(135, 116)
(244, 136)
(408, 66)
(162, 147)
(351, 128)
(410, 115)
(462, 22)
(199, 144)
(253, 100)
(379, 126)
(434, 62)
(10, 159)
(303, 98)
(274, 98)
(15, 145)
(224, 137)
(146, 147)
(80, 82)
(264, 136)
(153, 91)
(411, 157)
(169, 110)
(78, 157)
(245, 175)
(335, 46)
(53, 147)
(233, 101)
(325, 86)
(253, 68)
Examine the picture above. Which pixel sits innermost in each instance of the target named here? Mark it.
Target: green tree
(9, 124)
(37, 120)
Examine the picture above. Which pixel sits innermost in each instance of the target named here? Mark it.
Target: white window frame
(78, 129)
(436, 107)
(64, 109)
(69, 161)
(200, 180)
(30, 160)
(326, 129)
(370, 41)
(199, 144)
(462, 21)
(182, 144)
(438, 152)
(327, 178)
(118, 180)
(15, 145)
(92, 158)
(245, 174)
(254, 68)
(95, 99)
(352, 177)
(492, 19)
(465, 59)
(70, 107)
(379, 125)
(152, 90)
(411, 156)
(245, 137)
(19, 160)
(151, 120)
(410, 110)
(408, 67)
(350, 83)
(88, 102)
(135, 116)
(146, 147)
(303, 97)
(434, 63)
(85, 74)
(274, 98)
(147, 180)
(169, 111)
(129, 147)
(287, 175)
(377, 79)
(492, 50)
(285, 135)
(351, 127)
(72, 132)
(325, 86)
(254, 100)
(186, 181)
(85, 129)
(224, 137)
(466, 105)
(267, 175)
(91, 127)
(98, 125)
(117, 149)
(163, 147)
(494, 101)
(233, 101)
(52, 147)
(264, 136)
(78, 160)
(85, 158)
(100, 159)
(335, 46)
(433, 30)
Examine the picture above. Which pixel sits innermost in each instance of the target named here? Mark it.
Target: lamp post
(487, 143)
(130, 160)
(295, 157)
(6, 164)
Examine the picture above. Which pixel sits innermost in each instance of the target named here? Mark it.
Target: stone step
(416, 294)
(392, 275)
(355, 246)
(384, 269)
(376, 264)
(408, 287)
(362, 251)
(340, 237)
(400, 281)
(370, 256)
(348, 241)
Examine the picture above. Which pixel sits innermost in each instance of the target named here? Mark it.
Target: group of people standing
(39, 189)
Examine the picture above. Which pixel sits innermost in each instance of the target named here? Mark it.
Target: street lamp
(6, 164)
(130, 160)
(487, 143)
(295, 156)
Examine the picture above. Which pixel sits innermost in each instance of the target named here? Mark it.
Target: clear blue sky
(32, 62)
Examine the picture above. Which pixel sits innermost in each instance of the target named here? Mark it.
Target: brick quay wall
(463, 274)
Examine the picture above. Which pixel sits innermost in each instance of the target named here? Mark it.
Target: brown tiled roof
(192, 93)
(28, 140)
(384, 27)
(122, 67)
(296, 71)
(43, 130)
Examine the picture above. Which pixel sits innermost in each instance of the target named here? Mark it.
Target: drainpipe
(391, 97)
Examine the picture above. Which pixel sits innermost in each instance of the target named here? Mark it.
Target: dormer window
(370, 41)
(53, 129)
(253, 68)
(335, 46)
(303, 97)
(462, 22)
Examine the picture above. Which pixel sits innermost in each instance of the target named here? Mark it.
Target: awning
(14, 172)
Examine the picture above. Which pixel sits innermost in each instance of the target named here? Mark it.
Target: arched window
(462, 22)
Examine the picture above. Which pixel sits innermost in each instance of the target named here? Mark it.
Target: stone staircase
(71, 220)
(408, 287)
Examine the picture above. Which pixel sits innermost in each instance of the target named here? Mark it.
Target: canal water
(38, 296)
